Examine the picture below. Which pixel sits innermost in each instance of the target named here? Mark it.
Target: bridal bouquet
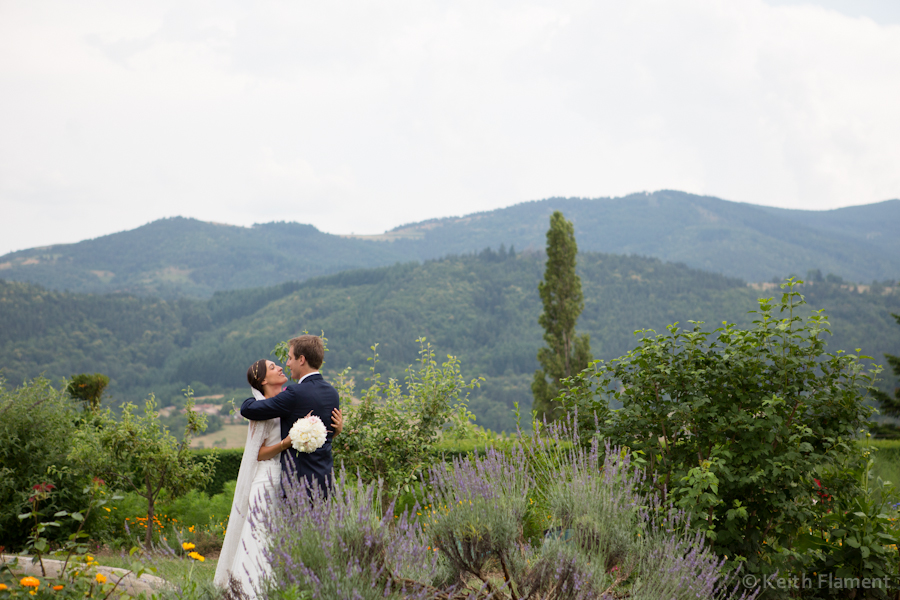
(308, 434)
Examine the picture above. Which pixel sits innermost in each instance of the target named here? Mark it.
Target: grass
(887, 460)
(234, 436)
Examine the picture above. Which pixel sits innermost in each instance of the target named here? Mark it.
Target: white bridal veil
(257, 432)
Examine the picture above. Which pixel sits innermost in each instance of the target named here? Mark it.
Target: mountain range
(180, 257)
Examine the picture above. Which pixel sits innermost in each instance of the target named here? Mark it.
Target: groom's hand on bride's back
(337, 421)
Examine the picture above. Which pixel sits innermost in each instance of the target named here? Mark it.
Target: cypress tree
(565, 353)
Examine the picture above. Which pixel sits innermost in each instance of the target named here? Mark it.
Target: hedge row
(229, 464)
(226, 468)
(230, 460)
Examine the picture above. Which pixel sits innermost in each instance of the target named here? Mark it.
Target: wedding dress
(242, 551)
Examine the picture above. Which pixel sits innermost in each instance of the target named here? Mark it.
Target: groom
(310, 393)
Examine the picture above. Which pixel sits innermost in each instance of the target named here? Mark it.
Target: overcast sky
(362, 116)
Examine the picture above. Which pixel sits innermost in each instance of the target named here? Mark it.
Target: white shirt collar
(305, 376)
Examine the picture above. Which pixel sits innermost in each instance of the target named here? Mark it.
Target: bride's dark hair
(256, 374)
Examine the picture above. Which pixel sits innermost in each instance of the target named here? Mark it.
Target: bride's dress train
(242, 551)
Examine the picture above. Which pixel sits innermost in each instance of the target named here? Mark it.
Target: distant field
(234, 436)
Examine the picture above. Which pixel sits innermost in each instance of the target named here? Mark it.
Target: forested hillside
(180, 257)
(482, 307)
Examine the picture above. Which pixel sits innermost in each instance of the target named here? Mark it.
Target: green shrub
(137, 453)
(88, 388)
(734, 426)
(392, 432)
(37, 422)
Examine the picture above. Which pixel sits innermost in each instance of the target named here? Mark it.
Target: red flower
(821, 491)
(99, 481)
(42, 490)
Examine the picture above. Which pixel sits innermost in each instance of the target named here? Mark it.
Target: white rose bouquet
(308, 434)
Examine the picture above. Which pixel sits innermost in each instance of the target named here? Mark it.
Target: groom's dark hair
(311, 347)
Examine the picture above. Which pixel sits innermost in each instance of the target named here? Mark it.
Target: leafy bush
(88, 388)
(37, 423)
(733, 426)
(138, 454)
(392, 432)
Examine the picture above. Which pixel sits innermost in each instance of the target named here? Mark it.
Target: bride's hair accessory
(256, 374)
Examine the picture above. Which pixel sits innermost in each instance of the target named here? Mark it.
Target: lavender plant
(596, 498)
(342, 546)
(612, 539)
(607, 538)
(476, 512)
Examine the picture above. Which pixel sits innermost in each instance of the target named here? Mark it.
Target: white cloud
(362, 116)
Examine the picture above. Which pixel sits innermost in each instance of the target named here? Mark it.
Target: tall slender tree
(565, 353)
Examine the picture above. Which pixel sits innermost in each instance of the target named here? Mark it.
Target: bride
(242, 561)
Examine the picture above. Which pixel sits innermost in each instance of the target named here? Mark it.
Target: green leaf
(808, 541)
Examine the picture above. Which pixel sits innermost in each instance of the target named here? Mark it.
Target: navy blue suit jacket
(294, 402)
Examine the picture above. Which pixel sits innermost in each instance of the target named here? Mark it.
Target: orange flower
(3, 587)
(57, 588)
(101, 578)
(188, 546)
(197, 556)
(30, 582)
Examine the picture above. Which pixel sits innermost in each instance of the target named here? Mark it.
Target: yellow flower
(188, 546)
(30, 582)
(101, 578)
(57, 588)
(3, 586)
(197, 556)
(88, 558)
